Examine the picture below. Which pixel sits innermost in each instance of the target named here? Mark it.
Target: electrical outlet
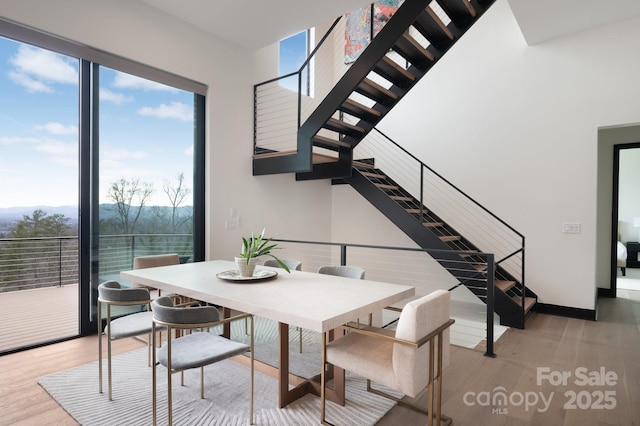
(570, 228)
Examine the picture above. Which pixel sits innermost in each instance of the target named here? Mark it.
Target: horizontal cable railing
(283, 103)
(28, 263)
(437, 196)
(416, 267)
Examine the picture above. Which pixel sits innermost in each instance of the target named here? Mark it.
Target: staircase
(411, 42)
(512, 299)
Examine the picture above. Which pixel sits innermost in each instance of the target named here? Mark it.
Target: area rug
(226, 395)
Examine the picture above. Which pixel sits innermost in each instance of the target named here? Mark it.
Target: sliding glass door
(39, 202)
(99, 164)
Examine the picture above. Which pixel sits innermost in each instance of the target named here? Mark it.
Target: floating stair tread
(373, 175)
(448, 238)
(433, 29)
(528, 302)
(274, 154)
(393, 72)
(409, 48)
(387, 186)
(433, 224)
(504, 285)
(342, 126)
(362, 165)
(416, 211)
(357, 109)
(460, 11)
(323, 159)
(325, 142)
(378, 93)
(480, 267)
(401, 198)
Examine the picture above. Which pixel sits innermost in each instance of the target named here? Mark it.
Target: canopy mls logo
(595, 399)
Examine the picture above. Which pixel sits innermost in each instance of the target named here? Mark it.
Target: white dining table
(309, 300)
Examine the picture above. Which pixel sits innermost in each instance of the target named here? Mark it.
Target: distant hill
(12, 214)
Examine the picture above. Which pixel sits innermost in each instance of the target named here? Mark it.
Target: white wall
(515, 126)
(136, 31)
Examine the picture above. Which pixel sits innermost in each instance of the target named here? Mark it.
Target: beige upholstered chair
(152, 261)
(196, 349)
(407, 361)
(110, 294)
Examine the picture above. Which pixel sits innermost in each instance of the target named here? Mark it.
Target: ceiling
(255, 24)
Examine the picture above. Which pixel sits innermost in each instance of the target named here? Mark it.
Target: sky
(146, 129)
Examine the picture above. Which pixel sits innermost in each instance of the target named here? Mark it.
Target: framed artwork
(360, 28)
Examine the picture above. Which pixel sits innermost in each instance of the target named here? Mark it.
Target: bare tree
(177, 193)
(124, 193)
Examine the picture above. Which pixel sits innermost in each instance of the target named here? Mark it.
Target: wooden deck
(28, 317)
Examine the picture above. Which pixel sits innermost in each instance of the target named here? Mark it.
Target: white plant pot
(246, 269)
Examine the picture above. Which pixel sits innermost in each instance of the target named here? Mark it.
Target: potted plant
(252, 248)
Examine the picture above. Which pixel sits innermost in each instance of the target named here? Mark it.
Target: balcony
(39, 294)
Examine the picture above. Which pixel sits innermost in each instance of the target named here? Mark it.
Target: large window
(101, 160)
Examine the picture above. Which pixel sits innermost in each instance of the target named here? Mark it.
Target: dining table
(312, 301)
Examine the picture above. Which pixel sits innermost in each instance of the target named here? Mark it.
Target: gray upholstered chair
(342, 271)
(196, 349)
(294, 265)
(407, 361)
(110, 293)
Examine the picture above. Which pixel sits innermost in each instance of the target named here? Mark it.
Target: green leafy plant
(256, 246)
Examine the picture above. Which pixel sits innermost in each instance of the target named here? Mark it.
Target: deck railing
(27, 263)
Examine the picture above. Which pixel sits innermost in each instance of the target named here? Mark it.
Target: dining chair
(345, 271)
(111, 293)
(294, 265)
(408, 361)
(196, 349)
(152, 261)
(342, 271)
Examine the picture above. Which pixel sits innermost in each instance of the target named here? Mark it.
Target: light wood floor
(561, 344)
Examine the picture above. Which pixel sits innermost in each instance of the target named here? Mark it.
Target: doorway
(627, 211)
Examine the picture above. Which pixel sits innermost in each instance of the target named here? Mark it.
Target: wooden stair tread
(400, 198)
(362, 165)
(432, 224)
(387, 186)
(376, 92)
(359, 110)
(449, 238)
(413, 210)
(504, 285)
(373, 175)
(392, 71)
(274, 154)
(340, 125)
(323, 159)
(409, 48)
(528, 302)
(328, 142)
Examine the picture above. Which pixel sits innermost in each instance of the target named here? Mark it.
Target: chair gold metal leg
(169, 385)
(251, 348)
(153, 374)
(109, 349)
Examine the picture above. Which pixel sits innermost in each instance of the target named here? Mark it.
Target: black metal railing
(401, 265)
(27, 263)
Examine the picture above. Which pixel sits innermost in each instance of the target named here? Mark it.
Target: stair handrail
(502, 258)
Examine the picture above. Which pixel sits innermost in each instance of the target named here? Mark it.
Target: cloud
(58, 129)
(16, 139)
(37, 69)
(128, 81)
(177, 110)
(116, 98)
(120, 154)
(61, 153)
